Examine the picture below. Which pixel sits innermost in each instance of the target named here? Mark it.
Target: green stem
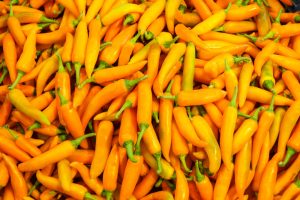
(4, 74)
(219, 29)
(241, 59)
(234, 97)
(33, 187)
(61, 68)
(19, 76)
(269, 35)
(128, 145)
(11, 132)
(182, 8)
(239, 2)
(109, 195)
(227, 67)
(135, 38)
(277, 19)
(171, 97)
(158, 182)
(240, 114)
(75, 22)
(271, 107)
(171, 185)
(63, 100)
(105, 44)
(297, 19)
(77, 141)
(268, 84)
(250, 37)
(201, 110)
(288, 155)
(90, 125)
(297, 183)
(131, 83)
(44, 19)
(143, 127)
(77, 67)
(35, 125)
(89, 196)
(86, 81)
(199, 176)
(189, 112)
(128, 20)
(102, 65)
(43, 25)
(62, 137)
(183, 162)
(127, 104)
(148, 35)
(228, 8)
(68, 66)
(157, 157)
(155, 117)
(169, 43)
(256, 113)
(11, 13)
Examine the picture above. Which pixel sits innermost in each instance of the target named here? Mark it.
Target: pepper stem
(199, 175)
(33, 187)
(241, 59)
(60, 63)
(128, 20)
(11, 132)
(256, 113)
(269, 35)
(297, 183)
(127, 104)
(240, 114)
(143, 127)
(169, 43)
(297, 18)
(277, 19)
(77, 141)
(234, 97)
(77, 67)
(182, 8)
(135, 38)
(271, 107)
(289, 154)
(157, 157)
(44, 19)
(155, 117)
(68, 66)
(90, 125)
(128, 145)
(171, 97)
(228, 8)
(183, 162)
(131, 83)
(105, 44)
(148, 35)
(108, 195)
(35, 125)
(19, 76)
(227, 67)
(4, 74)
(219, 29)
(89, 196)
(62, 99)
(250, 37)
(189, 112)
(246, 2)
(158, 182)
(201, 110)
(268, 84)
(86, 81)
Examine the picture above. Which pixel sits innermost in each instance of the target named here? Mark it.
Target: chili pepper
(93, 183)
(237, 27)
(292, 146)
(82, 155)
(245, 131)
(243, 12)
(18, 183)
(155, 28)
(128, 132)
(267, 80)
(24, 144)
(5, 110)
(167, 170)
(10, 55)
(262, 96)
(103, 144)
(291, 191)
(212, 149)
(202, 182)
(274, 130)
(152, 13)
(94, 90)
(159, 196)
(111, 53)
(264, 125)
(26, 60)
(127, 50)
(76, 190)
(65, 149)
(227, 130)
(94, 8)
(145, 185)
(179, 146)
(64, 174)
(202, 9)
(79, 47)
(288, 122)
(291, 82)
(287, 176)
(108, 93)
(170, 11)
(120, 11)
(110, 173)
(185, 127)
(100, 76)
(181, 192)
(211, 22)
(4, 175)
(131, 101)
(223, 182)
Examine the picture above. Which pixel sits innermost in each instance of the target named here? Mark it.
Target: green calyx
(11, 132)
(168, 44)
(62, 99)
(268, 84)
(104, 45)
(183, 163)
(35, 125)
(256, 113)
(250, 37)
(288, 155)
(77, 141)
(277, 19)
(86, 81)
(148, 35)
(135, 38)
(128, 20)
(228, 8)
(241, 59)
(89, 196)
(201, 110)
(131, 83)
(219, 29)
(297, 18)
(128, 145)
(155, 117)
(44, 19)
(61, 68)
(182, 8)
(271, 107)
(77, 67)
